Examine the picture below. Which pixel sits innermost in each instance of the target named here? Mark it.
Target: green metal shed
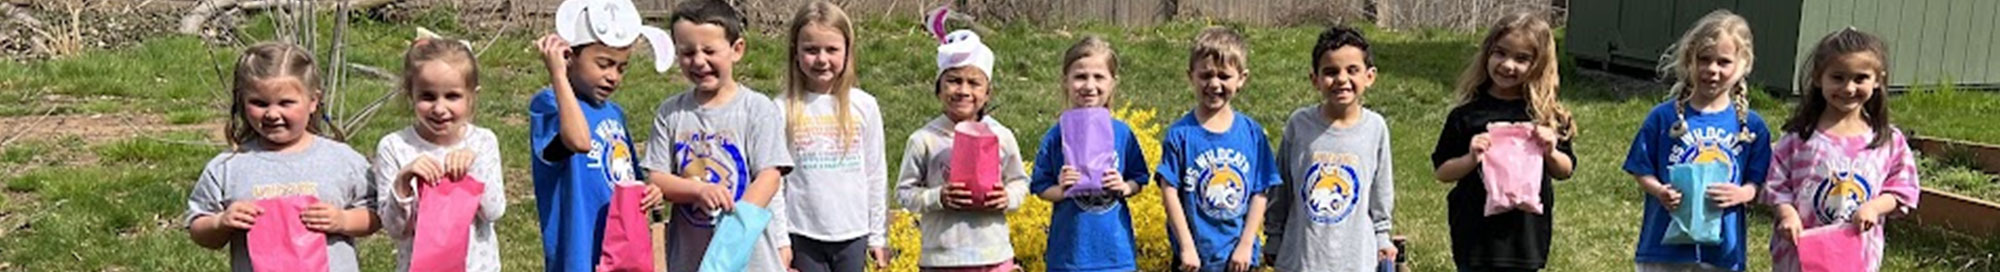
(1930, 41)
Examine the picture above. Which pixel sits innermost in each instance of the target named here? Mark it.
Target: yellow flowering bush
(1029, 225)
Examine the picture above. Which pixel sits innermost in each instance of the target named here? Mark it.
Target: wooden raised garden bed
(1964, 214)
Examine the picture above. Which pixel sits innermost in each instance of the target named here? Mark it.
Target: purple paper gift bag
(1087, 142)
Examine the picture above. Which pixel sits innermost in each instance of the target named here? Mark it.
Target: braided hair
(1681, 58)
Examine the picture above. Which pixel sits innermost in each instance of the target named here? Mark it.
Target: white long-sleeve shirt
(838, 191)
(396, 210)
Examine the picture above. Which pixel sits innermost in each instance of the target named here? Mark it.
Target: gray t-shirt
(1333, 211)
(328, 169)
(726, 145)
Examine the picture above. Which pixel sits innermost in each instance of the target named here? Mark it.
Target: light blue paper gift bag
(1696, 221)
(735, 236)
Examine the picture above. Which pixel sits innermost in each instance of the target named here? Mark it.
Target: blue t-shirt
(1094, 232)
(1710, 137)
(1225, 170)
(572, 189)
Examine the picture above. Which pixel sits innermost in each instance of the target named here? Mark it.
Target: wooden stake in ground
(208, 9)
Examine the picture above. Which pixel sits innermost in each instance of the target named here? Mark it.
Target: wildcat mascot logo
(713, 158)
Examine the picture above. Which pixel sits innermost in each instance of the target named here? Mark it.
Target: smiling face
(279, 109)
(1215, 84)
(706, 54)
(1849, 81)
(964, 92)
(1343, 75)
(442, 101)
(596, 70)
(822, 55)
(1510, 60)
(1089, 82)
(1717, 68)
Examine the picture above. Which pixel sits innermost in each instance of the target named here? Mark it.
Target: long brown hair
(1875, 111)
(269, 60)
(1715, 29)
(821, 13)
(1542, 78)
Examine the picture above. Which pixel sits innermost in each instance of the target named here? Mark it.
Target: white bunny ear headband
(959, 48)
(427, 34)
(615, 23)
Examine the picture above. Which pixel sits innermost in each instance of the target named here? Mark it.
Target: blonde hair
(1221, 46)
(455, 53)
(827, 14)
(1091, 46)
(264, 61)
(1542, 78)
(1680, 61)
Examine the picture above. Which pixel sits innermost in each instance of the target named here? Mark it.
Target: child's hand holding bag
(1512, 168)
(280, 241)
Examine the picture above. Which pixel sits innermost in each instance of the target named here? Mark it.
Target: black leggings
(810, 255)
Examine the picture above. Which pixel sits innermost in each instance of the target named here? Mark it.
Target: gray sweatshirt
(954, 238)
(1333, 212)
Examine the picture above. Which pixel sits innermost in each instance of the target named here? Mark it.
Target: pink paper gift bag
(281, 242)
(1087, 143)
(444, 219)
(975, 158)
(627, 244)
(1512, 168)
(1832, 248)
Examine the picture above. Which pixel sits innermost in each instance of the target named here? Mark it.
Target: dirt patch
(94, 128)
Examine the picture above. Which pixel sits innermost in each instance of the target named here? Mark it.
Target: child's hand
(1190, 261)
(652, 198)
(1866, 218)
(1114, 183)
(1669, 198)
(321, 217)
(1730, 195)
(1069, 177)
(1479, 144)
(956, 197)
(1547, 137)
(1240, 261)
(240, 215)
(458, 163)
(555, 54)
(1789, 226)
(425, 169)
(714, 197)
(1385, 254)
(998, 199)
(881, 257)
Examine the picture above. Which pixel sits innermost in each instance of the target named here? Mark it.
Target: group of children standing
(1324, 198)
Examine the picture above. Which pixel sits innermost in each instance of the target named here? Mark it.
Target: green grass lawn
(117, 205)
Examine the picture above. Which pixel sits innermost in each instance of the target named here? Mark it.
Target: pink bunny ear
(934, 21)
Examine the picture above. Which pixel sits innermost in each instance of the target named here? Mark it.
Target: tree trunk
(208, 9)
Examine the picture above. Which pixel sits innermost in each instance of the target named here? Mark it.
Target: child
(1337, 167)
(1707, 121)
(836, 135)
(713, 146)
(1216, 163)
(277, 152)
(441, 79)
(578, 134)
(1090, 231)
(961, 232)
(1512, 79)
(1841, 160)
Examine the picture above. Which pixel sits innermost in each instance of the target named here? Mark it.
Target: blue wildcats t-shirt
(1094, 232)
(572, 189)
(1710, 137)
(1217, 175)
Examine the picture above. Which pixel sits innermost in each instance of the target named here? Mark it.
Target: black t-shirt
(1514, 239)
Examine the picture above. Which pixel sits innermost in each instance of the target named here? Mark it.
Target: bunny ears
(959, 48)
(425, 35)
(615, 23)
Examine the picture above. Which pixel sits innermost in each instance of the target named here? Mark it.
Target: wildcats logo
(1221, 188)
(712, 158)
(612, 152)
(1332, 191)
